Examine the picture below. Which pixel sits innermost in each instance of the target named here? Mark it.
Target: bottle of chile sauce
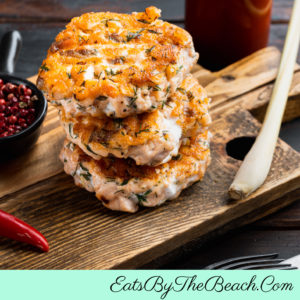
(225, 31)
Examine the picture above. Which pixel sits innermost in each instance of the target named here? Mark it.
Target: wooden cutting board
(84, 235)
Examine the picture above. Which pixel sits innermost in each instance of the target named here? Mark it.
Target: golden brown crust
(112, 55)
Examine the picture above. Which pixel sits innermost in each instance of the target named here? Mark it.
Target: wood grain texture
(36, 165)
(281, 11)
(53, 10)
(84, 235)
(200, 249)
(257, 100)
(288, 219)
(243, 76)
(64, 10)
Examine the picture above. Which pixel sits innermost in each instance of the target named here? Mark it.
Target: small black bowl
(20, 142)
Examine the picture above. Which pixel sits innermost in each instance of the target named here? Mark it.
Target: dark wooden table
(40, 21)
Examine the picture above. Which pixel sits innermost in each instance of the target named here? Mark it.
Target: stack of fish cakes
(136, 121)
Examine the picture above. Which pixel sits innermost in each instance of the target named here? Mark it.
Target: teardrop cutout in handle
(10, 47)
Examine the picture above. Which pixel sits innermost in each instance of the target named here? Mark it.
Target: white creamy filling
(172, 128)
(109, 109)
(175, 132)
(89, 73)
(171, 190)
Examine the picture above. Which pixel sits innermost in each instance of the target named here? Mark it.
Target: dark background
(40, 21)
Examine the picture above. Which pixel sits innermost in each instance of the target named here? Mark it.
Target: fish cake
(122, 185)
(117, 64)
(149, 138)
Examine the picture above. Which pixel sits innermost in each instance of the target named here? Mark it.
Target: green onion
(143, 130)
(72, 135)
(143, 197)
(89, 149)
(143, 21)
(134, 35)
(148, 51)
(44, 68)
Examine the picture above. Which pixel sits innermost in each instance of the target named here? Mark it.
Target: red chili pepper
(18, 230)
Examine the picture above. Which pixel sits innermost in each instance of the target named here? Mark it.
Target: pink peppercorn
(17, 110)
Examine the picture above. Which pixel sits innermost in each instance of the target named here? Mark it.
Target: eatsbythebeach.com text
(193, 284)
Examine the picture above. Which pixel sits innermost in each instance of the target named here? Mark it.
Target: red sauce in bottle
(225, 31)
